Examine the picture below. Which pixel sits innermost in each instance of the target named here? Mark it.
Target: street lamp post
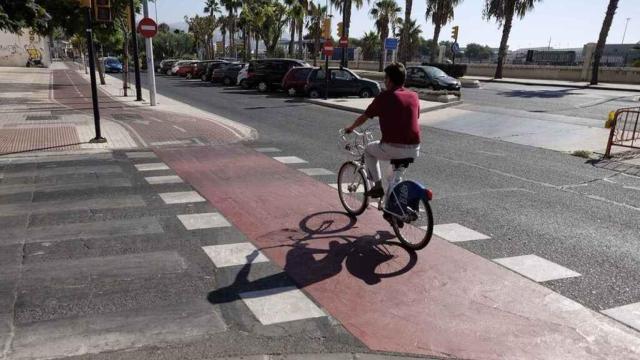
(625, 30)
(136, 60)
(92, 68)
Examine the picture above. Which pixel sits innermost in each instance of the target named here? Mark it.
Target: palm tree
(295, 14)
(384, 12)
(604, 32)
(222, 23)
(403, 52)
(211, 7)
(412, 31)
(440, 12)
(370, 45)
(345, 6)
(232, 7)
(317, 13)
(503, 11)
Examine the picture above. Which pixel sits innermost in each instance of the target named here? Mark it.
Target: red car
(183, 68)
(295, 80)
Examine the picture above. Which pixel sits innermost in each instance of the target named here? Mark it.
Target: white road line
(151, 167)
(290, 160)
(627, 314)
(280, 305)
(267, 149)
(203, 221)
(168, 179)
(317, 172)
(536, 268)
(181, 197)
(359, 190)
(456, 233)
(179, 128)
(233, 254)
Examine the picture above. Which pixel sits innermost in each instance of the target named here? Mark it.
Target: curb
(359, 111)
(518, 82)
(323, 356)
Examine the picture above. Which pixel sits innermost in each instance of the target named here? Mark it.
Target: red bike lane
(440, 301)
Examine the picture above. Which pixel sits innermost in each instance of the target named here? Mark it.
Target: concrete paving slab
(203, 221)
(280, 305)
(536, 268)
(181, 197)
(71, 185)
(626, 314)
(233, 254)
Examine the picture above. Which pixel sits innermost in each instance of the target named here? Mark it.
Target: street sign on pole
(455, 48)
(390, 43)
(136, 60)
(344, 42)
(327, 48)
(148, 29)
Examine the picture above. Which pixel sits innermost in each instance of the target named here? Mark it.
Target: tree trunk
(224, 43)
(404, 37)
(257, 43)
(100, 68)
(383, 52)
(125, 73)
(506, 30)
(604, 33)
(347, 26)
(316, 47)
(292, 38)
(300, 40)
(434, 46)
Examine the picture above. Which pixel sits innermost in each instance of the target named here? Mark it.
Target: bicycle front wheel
(352, 185)
(417, 233)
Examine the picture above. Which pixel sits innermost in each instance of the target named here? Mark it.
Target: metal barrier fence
(625, 130)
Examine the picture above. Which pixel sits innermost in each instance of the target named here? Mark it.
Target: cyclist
(398, 110)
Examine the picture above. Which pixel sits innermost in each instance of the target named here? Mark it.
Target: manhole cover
(42, 117)
(127, 116)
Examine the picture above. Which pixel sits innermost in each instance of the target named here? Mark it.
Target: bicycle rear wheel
(417, 233)
(352, 185)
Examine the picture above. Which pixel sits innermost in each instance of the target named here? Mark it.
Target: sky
(569, 23)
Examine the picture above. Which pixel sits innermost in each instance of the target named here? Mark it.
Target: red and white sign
(327, 49)
(344, 42)
(147, 27)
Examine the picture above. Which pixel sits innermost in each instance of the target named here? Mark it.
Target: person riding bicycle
(398, 110)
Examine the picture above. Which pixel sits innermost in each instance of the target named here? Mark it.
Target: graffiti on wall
(21, 50)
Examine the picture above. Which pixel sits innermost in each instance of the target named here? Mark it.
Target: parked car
(211, 68)
(430, 76)
(200, 68)
(295, 80)
(112, 65)
(227, 73)
(242, 77)
(183, 68)
(267, 74)
(166, 65)
(342, 82)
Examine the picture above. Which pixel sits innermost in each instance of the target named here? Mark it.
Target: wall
(15, 50)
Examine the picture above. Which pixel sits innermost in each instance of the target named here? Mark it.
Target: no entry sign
(344, 42)
(327, 49)
(147, 27)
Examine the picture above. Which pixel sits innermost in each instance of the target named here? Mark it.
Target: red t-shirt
(398, 110)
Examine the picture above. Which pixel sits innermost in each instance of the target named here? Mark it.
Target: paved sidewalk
(558, 83)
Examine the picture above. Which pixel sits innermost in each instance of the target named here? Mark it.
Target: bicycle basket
(355, 143)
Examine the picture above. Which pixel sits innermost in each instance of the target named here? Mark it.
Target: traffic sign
(344, 42)
(390, 43)
(147, 27)
(327, 48)
(455, 48)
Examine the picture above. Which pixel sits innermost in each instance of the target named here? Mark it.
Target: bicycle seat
(401, 162)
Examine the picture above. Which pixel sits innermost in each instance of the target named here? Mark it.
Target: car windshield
(434, 72)
(112, 61)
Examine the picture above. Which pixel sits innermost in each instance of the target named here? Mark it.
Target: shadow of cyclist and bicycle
(321, 248)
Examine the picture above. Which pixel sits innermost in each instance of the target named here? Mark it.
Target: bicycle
(406, 202)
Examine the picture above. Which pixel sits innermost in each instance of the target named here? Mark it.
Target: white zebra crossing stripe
(141, 155)
(536, 268)
(456, 233)
(168, 179)
(317, 172)
(151, 167)
(290, 160)
(280, 305)
(203, 221)
(267, 149)
(233, 254)
(627, 314)
(360, 188)
(181, 197)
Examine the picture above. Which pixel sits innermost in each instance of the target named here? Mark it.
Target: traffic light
(102, 11)
(85, 3)
(454, 32)
(326, 28)
(340, 30)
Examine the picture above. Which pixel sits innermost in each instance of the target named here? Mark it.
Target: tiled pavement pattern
(530, 266)
(92, 260)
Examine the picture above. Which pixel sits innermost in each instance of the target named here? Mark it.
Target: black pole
(344, 21)
(136, 60)
(92, 67)
(326, 76)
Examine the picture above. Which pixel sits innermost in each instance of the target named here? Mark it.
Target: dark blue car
(112, 65)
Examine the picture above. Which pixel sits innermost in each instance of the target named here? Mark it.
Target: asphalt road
(529, 200)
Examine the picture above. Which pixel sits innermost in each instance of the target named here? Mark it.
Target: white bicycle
(406, 202)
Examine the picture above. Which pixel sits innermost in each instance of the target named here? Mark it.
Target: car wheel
(243, 84)
(291, 91)
(169, 72)
(227, 81)
(189, 76)
(314, 93)
(365, 93)
(203, 77)
(262, 86)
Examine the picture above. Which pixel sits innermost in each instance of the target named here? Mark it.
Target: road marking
(233, 254)
(267, 149)
(359, 190)
(290, 160)
(171, 142)
(457, 233)
(141, 155)
(536, 268)
(181, 197)
(168, 179)
(279, 305)
(179, 128)
(317, 172)
(626, 314)
(151, 167)
(203, 221)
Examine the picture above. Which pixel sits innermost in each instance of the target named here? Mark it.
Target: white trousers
(376, 151)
